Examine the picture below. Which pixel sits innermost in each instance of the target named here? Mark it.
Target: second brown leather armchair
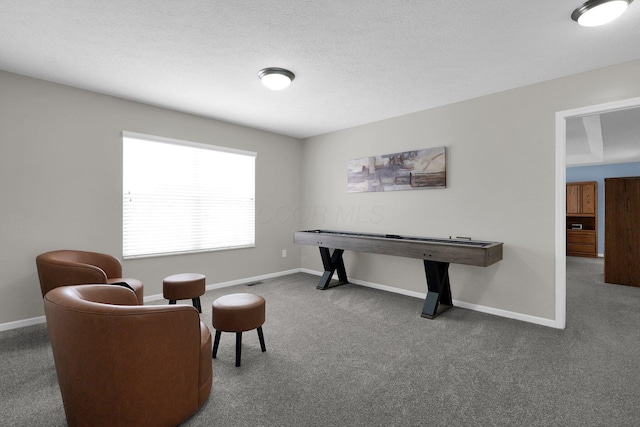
(69, 267)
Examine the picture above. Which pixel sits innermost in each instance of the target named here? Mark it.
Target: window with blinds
(181, 197)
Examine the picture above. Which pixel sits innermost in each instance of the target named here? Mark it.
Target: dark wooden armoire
(622, 231)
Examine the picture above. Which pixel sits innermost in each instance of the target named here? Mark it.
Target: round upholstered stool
(184, 286)
(238, 313)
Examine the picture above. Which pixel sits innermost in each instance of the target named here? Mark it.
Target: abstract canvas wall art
(409, 170)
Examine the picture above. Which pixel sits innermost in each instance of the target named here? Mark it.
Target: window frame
(195, 145)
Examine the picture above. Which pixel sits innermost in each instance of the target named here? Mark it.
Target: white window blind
(181, 196)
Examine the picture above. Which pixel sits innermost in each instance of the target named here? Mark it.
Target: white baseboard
(475, 307)
(22, 323)
(41, 319)
(508, 314)
(220, 285)
(253, 279)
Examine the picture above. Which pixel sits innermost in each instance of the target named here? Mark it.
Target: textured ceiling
(356, 61)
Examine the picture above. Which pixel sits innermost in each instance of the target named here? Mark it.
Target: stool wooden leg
(172, 301)
(216, 341)
(196, 304)
(261, 338)
(238, 347)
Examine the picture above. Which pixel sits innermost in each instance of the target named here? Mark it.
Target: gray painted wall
(500, 186)
(61, 184)
(60, 187)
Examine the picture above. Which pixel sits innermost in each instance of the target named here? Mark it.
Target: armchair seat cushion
(135, 284)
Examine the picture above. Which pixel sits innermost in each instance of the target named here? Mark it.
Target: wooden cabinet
(582, 243)
(582, 219)
(622, 231)
(582, 198)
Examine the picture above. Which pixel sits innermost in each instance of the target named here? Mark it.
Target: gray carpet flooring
(354, 356)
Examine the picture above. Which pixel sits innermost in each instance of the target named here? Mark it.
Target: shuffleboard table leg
(331, 263)
(438, 297)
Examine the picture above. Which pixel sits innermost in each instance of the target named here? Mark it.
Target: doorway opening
(561, 181)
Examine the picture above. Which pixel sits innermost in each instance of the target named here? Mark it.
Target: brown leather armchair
(67, 267)
(122, 364)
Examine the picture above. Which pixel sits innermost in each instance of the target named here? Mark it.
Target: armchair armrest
(54, 273)
(109, 264)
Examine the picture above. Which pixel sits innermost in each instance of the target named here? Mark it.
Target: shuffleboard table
(436, 254)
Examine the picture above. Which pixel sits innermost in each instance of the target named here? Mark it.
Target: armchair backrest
(68, 267)
(122, 364)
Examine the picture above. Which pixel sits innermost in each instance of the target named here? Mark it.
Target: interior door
(622, 231)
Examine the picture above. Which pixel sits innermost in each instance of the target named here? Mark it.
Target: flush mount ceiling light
(276, 78)
(599, 12)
